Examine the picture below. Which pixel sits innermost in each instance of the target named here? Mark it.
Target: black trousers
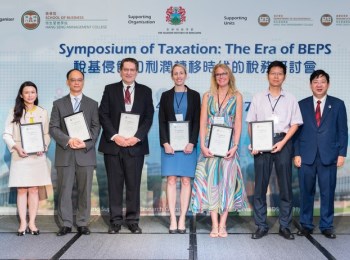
(124, 169)
(263, 164)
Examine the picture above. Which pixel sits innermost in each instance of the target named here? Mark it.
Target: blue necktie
(76, 105)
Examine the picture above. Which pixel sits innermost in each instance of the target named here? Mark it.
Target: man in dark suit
(124, 155)
(320, 147)
(74, 158)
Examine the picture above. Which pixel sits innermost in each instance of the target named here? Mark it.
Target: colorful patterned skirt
(218, 186)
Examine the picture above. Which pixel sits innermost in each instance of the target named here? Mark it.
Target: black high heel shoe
(34, 232)
(21, 233)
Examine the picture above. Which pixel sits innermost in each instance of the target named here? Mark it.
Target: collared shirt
(285, 109)
(72, 99)
(323, 102)
(132, 95)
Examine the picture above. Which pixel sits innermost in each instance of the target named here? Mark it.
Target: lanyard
(220, 105)
(179, 103)
(273, 107)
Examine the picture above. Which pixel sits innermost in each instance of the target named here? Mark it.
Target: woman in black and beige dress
(29, 173)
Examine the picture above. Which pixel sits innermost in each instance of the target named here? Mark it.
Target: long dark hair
(19, 105)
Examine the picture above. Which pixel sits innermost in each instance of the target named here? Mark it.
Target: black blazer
(112, 105)
(167, 113)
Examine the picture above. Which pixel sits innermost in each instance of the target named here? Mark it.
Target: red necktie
(127, 98)
(318, 113)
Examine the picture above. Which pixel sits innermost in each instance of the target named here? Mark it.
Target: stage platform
(156, 243)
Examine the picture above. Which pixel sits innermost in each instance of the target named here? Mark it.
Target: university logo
(264, 20)
(175, 15)
(30, 20)
(326, 20)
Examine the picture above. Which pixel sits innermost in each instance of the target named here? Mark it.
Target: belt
(279, 134)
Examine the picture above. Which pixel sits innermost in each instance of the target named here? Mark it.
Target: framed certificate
(179, 134)
(128, 125)
(77, 127)
(220, 140)
(32, 138)
(262, 135)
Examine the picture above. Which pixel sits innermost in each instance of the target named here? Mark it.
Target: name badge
(274, 118)
(128, 107)
(179, 117)
(219, 120)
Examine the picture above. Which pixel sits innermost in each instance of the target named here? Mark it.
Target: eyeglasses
(76, 80)
(319, 82)
(218, 75)
(278, 74)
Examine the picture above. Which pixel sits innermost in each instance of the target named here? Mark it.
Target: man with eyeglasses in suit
(75, 159)
(282, 108)
(124, 155)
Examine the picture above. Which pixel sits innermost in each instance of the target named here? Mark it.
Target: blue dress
(179, 164)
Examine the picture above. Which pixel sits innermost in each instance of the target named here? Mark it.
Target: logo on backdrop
(175, 15)
(326, 20)
(264, 20)
(342, 19)
(30, 20)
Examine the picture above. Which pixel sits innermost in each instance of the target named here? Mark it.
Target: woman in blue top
(179, 104)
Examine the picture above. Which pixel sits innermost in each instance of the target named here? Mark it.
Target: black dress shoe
(114, 228)
(329, 233)
(285, 232)
(63, 231)
(304, 232)
(34, 232)
(134, 228)
(259, 233)
(83, 230)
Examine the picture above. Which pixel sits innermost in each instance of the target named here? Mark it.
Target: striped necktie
(76, 105)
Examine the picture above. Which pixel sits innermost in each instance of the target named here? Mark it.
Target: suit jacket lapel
(171, 102)
(311, 108)
(82, 103)
(136, 97)
(326, 109)
(68, 104)
(119, 96)
(189, 103)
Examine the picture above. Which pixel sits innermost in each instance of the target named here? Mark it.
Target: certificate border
(181, 122)
(272, 132)
(64, 119)
(222, 126)
(42, 135)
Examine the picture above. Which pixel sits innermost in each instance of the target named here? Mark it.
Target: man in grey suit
(74, 158)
